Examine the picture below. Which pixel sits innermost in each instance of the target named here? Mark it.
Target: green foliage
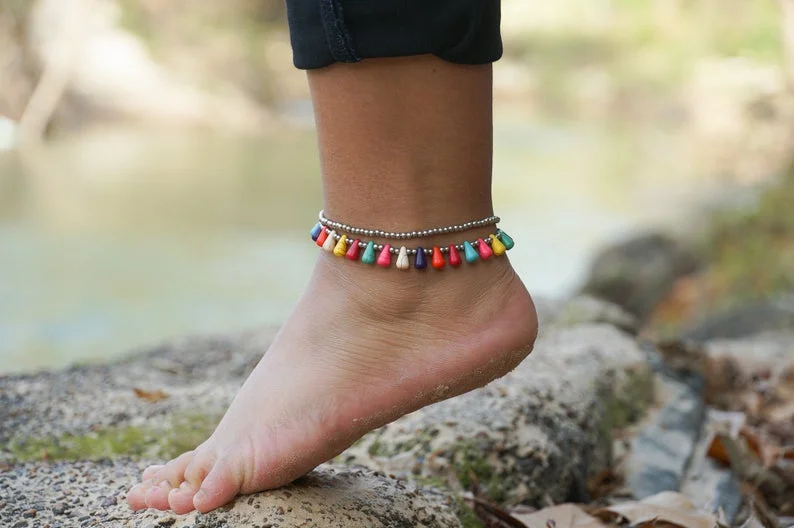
(752, 250)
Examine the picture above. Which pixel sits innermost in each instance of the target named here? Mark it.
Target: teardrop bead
(506, 240)
(341, 247)
(384, 259)
(469, 253)
(454, 256)
(353, 251)
(497, 246)
(369, 253)
(321, 238)
(438, 258)
(330, 242)
(421, 261)
(402, 259)
(485, 250)
(316, 230)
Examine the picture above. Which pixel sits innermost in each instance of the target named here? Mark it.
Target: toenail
(201, 496)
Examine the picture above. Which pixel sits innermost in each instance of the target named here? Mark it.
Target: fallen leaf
(717, 451)
(663, 509)
(150, 396)
(603, 483)
(560, 516)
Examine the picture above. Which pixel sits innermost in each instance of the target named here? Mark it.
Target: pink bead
(384, 259)
(484, 249)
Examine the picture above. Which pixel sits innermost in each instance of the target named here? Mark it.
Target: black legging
(328, 31)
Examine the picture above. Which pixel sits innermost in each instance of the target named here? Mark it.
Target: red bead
(353, 251)
(438, 258)
(321, 239)
(384, 259)
(454, 256)
(484, 249)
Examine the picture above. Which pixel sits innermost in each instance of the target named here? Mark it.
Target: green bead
(506, 240)
(369, 253)
(469, 253)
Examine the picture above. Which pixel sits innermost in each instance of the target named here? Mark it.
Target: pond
(120, 238)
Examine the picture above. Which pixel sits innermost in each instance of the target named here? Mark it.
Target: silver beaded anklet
(326, 222)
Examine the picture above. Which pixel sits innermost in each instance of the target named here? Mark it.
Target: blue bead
(469, 253)
(421, 261)
(316, 231)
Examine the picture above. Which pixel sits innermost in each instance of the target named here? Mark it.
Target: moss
(376, 448)
(181, 434)
(629, 404)
(466, 516)
(470, 466)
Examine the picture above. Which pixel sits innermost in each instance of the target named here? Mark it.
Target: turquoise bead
(506, 240)
(469, 253)
(315, 232)
(369, 253)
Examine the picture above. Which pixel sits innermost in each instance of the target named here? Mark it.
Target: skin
(405, 144)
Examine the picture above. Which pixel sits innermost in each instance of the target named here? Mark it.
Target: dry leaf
(663, 509)
(562, 516)
(717, 451)
(150, 396)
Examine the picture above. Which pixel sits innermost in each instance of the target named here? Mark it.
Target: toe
(174, 471)
(151, 471)
(157, 496)
(136, 497)
(218, 488)
(181, 499)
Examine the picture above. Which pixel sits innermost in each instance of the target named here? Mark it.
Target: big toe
(219, 487)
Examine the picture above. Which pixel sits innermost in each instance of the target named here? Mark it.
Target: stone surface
(92, 494)
(198, 378)
(710, 485)
(661, 452)
(769, 315)
(772, 351)
(538, 432)
(638, 273)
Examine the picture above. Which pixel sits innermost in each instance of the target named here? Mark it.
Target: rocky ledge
(72, 442)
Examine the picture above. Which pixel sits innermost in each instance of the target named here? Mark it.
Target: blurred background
(158, 170)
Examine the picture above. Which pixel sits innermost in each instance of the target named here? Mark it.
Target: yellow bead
(341, 247)
(497, 246)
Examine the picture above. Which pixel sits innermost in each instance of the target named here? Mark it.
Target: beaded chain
(325, 235)
(408, 234)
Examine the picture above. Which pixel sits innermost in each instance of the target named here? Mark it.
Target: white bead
(402, 259)
(330, 242)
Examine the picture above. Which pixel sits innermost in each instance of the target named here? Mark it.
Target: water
(122, 238)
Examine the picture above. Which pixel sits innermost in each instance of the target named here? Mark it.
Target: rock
(639, 273)
(661, 452)
(326, 498)
(746, 320)
(539, 432)
(587, 309)
(711, 486)
(92, 411)
(769, 352)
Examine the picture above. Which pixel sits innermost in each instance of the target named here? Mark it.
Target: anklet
(481, 249)
(323, 221)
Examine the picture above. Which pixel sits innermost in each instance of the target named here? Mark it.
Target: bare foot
(363, 347)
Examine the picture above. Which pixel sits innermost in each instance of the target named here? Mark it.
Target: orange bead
(321, 239)
(438, 258)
